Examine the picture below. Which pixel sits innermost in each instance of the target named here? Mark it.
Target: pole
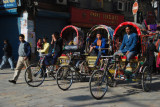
(135, 16)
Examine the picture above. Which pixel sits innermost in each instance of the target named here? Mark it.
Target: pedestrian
(45, 48)
(24, 52)
(7, 55)
(150, 56)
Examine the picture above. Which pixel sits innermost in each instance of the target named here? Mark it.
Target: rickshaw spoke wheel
(98, 84)
(146, 79)
(37, 73)
(64, 77)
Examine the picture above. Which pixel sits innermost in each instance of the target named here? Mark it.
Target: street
(49, 95)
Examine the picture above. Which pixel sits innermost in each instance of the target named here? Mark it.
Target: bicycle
(101, 79)
(65, 73)
(38, 72)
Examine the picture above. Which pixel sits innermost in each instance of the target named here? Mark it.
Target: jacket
(103, 44)
(129, 44)
(7, 50)
(45, 48)
(58, 46)
(27, 49)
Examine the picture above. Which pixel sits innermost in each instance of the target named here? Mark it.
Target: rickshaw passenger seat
(134, 58)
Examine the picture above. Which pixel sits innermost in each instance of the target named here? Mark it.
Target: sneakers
(12, 81)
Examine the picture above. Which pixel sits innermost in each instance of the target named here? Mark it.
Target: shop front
(9, 25)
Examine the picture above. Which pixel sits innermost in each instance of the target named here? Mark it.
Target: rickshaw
(88, 65)
(73, 38)
(84, 65)
(111, 71)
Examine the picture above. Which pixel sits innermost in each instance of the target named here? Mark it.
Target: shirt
(21, 50)
(128, 36)
(45, 48)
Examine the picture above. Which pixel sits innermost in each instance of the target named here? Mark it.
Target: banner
(5, 4)
(89, 18)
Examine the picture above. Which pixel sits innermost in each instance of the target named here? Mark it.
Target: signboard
(5, 4)
(9, 11)
(89, 18)
(135, 8)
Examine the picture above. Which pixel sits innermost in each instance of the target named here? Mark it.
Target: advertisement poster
(32, 41)
(24, 25)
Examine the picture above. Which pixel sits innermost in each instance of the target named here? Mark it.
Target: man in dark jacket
(57, 50)
(7, 55)
(24, 52)
(150, 56)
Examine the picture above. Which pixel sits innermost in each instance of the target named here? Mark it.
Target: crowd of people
(24, 52)
(128, 48)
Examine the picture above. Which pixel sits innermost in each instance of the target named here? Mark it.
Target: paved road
(49, 95)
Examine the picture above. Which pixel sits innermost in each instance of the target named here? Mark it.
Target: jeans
(4, 61)
(98, 57)
(49, 59)
(129, 56)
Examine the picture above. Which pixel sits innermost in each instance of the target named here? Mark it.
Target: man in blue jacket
(129, 44)
(97, 45)
(24, 52)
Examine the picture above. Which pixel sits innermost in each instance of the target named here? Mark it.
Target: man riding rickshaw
(99, 43)
(128, 47)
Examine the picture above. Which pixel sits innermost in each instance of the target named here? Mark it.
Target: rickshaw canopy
(107, 28)
(73, 36)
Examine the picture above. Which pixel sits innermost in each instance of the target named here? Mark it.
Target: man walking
(24, 52)
(7, 55)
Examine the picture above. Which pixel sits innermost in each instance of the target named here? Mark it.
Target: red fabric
(124, 57)
(158, 62)
(39, 45)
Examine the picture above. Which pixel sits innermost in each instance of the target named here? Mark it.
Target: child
(39, 44)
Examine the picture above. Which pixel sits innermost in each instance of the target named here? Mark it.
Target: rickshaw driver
(52, 57)
(98, 44)
(128, 46)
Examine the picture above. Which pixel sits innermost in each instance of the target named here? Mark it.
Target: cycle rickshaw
(73, 38)
(101, 79)
(88, 65)
(84, 65)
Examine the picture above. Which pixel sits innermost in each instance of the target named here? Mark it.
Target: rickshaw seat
(134, 58)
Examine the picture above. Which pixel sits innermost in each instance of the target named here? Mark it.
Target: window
(128, 6)
(120, 5)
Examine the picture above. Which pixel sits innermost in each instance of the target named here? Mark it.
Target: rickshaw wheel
(98, 84)
(64, 77)
(146, 79)
(38, 75)
(84, 68)
(111, 81)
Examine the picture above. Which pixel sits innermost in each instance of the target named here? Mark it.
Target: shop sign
(5, 4)
(88, 18)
